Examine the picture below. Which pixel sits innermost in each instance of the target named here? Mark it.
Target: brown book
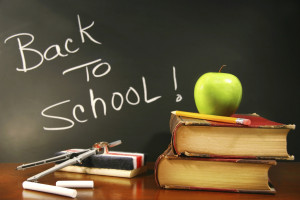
(195, 173)
(263, 139)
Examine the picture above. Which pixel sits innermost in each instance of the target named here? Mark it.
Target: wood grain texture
(285, 177)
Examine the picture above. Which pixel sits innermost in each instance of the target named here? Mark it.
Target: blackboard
(77, 72)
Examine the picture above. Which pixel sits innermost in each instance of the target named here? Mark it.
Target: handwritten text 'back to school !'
(55, 51)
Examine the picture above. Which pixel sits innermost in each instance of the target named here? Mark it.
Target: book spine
(162, 156)
(175, 123)
(156, 170)
(173, 139)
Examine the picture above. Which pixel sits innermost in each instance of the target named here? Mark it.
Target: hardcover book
(263, 139)
(195, 173)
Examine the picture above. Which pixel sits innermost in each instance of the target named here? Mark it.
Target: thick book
(211, 174)
(263, 139)
(113, 163)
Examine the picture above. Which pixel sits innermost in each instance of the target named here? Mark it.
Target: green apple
(218, 93)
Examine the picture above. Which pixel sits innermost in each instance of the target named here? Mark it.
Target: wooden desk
(285, 177)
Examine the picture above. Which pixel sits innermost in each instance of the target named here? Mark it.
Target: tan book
(195, 173)
(263, 139)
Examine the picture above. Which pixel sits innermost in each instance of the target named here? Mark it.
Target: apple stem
(222, 68)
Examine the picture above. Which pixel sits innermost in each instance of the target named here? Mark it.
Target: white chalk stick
(75, 184)
(50, 189)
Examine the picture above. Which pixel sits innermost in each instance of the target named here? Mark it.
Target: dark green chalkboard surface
(73, 72)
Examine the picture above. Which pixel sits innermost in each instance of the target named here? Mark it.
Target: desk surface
(285, 177)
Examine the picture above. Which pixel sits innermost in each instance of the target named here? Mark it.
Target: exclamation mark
(178, 96)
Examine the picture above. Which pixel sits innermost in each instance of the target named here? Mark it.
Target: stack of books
(215, 156)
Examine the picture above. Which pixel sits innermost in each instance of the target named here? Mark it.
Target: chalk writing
(71, 122)
(86, 65)
(97, 106)
(97, 68)
(55, 48)
(83, 32)
(178, 96)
